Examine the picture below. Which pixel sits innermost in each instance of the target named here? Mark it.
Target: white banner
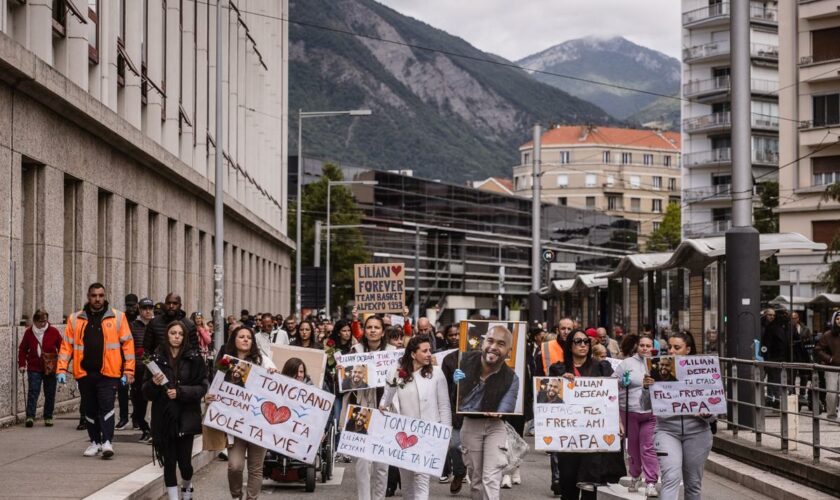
(439, 356)
(270, 410)
(389, 438)
(686, 385)
(576, 416)
(365, 369)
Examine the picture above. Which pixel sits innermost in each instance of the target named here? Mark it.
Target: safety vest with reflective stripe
(118, 344)
(552, 352)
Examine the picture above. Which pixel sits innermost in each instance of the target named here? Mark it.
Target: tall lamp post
(330, 184)
(301, 115)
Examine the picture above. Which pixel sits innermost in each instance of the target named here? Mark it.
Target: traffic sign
(548, 255)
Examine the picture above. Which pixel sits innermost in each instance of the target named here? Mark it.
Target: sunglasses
(582, 341)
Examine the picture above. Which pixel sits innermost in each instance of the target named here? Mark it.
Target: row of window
(591, 180)
(626, 158)
(616, 202)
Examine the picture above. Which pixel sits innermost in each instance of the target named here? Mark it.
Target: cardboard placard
(686, 385)
(501, 345)
(364, 370)
(390, 438)
(314, 359)
(576, 416)
(379, 288)
(269, 410)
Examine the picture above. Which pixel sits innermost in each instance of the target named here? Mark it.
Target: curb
(761, 481)
(146, 483)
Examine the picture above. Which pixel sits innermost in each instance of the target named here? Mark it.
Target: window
(564, 157)
(657, 182)
(826, 110)
(672, 184)
(656, 206)
(526, 158)
(562, 201)
(591, 180)
(626, 158)
(825, 170)
(823, 231)
(562, 180)
(606, 157)
(635, 205)
(590, 202)
(666, 160)
(93, 31)
(825, 44)
(610, 180)
(59, 17)
(121, 36)
(635, 181)
(614, 202)
(656, 226)
(648, 159)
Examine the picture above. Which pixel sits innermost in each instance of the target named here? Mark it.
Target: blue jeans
(35, 381)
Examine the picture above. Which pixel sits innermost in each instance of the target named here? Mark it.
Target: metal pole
(219, 229)
(742, 240)
(535, 305)
(316, 261)
(299, 214)
(416, 273)
(329, 235)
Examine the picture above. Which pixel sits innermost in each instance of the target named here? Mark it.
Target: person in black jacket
(588, 468)
(454, 458)
(156, 329)
(176, 394)
(775, 346)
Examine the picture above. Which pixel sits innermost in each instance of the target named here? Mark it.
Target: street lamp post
(330, 184)
(301, 115)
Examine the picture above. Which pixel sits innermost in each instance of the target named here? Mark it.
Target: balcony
(714, 157)
(766, 157)
(816, 135)
(720, 85)
(810, 9)
(764, 122)
(764, 51)
(718, 15)
(708, 193)
(715, 122)
(707, 52)
(703, 229)
(812, 71)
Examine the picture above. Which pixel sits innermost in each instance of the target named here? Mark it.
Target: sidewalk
(42, 462)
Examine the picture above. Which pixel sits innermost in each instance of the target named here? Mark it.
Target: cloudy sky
(514, 30)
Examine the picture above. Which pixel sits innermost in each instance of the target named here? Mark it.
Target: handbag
(515, 449)
(49, 360)
(213, 439)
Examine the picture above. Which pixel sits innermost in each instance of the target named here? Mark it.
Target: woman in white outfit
(371, 477)
(417, 389)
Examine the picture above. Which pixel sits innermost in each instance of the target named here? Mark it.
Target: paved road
(211, 484)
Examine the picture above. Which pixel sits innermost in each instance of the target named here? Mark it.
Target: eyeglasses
(582, 341)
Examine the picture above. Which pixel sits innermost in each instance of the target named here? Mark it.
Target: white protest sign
(698, 387)
(365, 369)
(389, 438)
(270, 410)
(614, 362)
(579, 416)
(442, 354)
(397, 320)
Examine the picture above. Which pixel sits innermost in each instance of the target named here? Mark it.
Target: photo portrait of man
(662, 369)
(355, 378)
(358, 420)
(238, 372)
(552, 393)
(489, 385)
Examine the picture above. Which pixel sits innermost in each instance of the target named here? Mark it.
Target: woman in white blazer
(417, 389)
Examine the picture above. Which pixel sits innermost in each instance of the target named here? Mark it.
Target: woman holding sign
(371, 477)
(419, 390)
(588, 468)
(176, 391)
(683, 441)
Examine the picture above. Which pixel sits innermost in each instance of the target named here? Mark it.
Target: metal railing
(715, 192)
(706, 50)
(713, 156)
(758, 12)
(709, 228)
(770, 384)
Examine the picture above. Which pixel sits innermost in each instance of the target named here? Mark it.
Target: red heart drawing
(714, 401)
(683, 362)
(406, 441)
(716, 376)
(396, 270)
(274, 414)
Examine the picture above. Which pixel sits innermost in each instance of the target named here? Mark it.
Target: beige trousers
(483, 440)
(236, 465)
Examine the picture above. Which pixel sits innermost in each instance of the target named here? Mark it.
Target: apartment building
(630, 173)
(107, 152)
(809, 79)
(707, 124)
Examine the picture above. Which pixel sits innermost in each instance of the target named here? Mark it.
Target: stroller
(283, 469)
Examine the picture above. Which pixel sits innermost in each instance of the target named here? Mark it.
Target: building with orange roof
(501, 185)
(631, 173)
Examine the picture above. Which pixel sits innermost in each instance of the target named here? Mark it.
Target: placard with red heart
(274, 414)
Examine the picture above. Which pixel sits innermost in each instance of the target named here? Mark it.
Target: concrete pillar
(154, 69)
(71, 55)
(236, 275)
(206, 280)
(230, 299)
(129, 100)
(115, 259)
(176, 261)
(139, 266)
(188, 80)
(172, 76)
(633, 327)
(7, 170)
(211, 91)
(202, 85)
(695, 309)
(159, 242)
(191, 269)
(39, 29)
(103, 76)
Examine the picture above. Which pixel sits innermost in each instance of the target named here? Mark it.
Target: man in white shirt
(269, 334)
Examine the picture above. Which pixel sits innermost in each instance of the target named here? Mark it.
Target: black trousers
(138, 402)
(178, 452)
(98, 393)
(394, 478)
(569, 465)
(122, 398)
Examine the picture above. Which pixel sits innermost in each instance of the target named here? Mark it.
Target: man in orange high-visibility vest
(98, 339)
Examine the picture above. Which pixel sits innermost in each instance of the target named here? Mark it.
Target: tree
(831, 277)
(346, 246)
(766, 221)
(667, 236)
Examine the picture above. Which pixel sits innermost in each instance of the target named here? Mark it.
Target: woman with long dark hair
(417, 389)
(176, 394)
(683, 442)
(295, 368)
(587, 468)
(305, 335)
(371, 477)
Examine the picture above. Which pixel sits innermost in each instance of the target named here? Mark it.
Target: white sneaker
(634, 484)
(107, 450)
(506, 483)
(92, 450)
(651, 491)
(516, 478)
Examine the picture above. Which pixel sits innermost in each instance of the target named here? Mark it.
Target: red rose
(402, 373)
(330, 343)
(224, 362)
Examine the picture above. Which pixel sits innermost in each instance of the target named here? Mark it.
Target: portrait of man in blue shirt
(489, 385)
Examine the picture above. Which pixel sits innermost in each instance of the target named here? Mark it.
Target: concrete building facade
(107, 153)
(809, 79)
(706, 105)
(629, 173)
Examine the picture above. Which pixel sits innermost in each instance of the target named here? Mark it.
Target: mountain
(443, 116)
(616, 61)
